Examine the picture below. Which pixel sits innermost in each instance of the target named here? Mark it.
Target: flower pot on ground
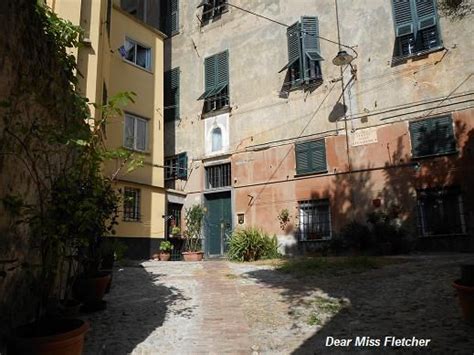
(465, 290)
(165, 250)
(90, 289)
(192, 235)
(193, 255)
(54, 337)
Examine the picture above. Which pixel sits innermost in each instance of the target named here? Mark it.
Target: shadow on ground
(136, 306)
(404, 300)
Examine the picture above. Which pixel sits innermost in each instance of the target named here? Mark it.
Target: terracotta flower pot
(92, 289)
(165, 256)
(58, 337)
(466, 300)
(193, 255)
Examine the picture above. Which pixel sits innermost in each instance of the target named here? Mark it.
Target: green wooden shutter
(311, 157)
(222, 69)
(318, 156)
(303, 159)
(309, 44)
(425, 13)
(182, 166)
(403, 17)
(171, 93)
(174, 16)
(293, 34)
(432, 136)
(210, 72)
(175, 76)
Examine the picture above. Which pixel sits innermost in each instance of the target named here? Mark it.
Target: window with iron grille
(314, 220)
(416, 27)
(433, 136)
(304, 53)
(218, 176)
(176, 167)
(131, 205)
(212, 10)
(440, 212)
(174, 209)
(216, 82)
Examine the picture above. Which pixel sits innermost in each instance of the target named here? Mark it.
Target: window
(137, 54)
(440, 212)
(304, 53)
(212, 10)
(176, 167)
(218, 176)
(216, 77)
(311, 157)
(131, 205)
(216, 139)
(416, 26)
(170, 17)
(172, 94)
(433, 136)
(174, 210)
(314, 220)
(147, 11)
(135, 133)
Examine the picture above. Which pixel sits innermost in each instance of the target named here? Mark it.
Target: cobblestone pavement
(217, 307)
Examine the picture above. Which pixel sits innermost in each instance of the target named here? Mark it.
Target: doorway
(218, 222)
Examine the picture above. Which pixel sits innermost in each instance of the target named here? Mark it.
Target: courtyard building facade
(259, 118)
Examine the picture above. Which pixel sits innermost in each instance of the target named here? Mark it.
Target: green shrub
(252, 244)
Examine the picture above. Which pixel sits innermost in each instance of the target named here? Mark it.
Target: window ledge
(435, 155)
(226, 109)
(311, 173)
(144, 152)
(137, 66)
(131, 220)
(405, 58)
(316, 240)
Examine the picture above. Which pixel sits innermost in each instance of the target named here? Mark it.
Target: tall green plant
(252, 244)
(193, 233)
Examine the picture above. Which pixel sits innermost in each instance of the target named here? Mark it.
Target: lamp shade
(342, 58)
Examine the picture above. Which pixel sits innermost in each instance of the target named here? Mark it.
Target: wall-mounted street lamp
(342, 58)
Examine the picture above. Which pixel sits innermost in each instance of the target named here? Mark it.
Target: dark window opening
(314, 220)
(176, 167)
(212, 10)
(218, 176)
(441, 212)
(174, 211)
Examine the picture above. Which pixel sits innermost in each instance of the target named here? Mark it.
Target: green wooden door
(218, 222)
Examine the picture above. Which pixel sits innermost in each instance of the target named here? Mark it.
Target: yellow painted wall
(102, 63)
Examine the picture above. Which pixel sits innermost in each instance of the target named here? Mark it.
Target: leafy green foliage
(193, 233)
(252, 244)
(166, 246)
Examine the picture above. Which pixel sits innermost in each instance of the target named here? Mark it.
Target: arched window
(216, 139)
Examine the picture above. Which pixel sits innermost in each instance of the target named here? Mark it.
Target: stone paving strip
(218, 307)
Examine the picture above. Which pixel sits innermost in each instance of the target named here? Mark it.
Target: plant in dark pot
(193, 233)
(165, 250)
(465, 289)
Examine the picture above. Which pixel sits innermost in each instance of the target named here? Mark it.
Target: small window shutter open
(174, 16)
(426, 13)
(182, 172)
(294, 48)
(310, 43)
(403, 17)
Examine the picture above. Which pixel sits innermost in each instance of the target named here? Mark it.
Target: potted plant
(465, 289)
(192, 235)
(175, 231)
(165, 250)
